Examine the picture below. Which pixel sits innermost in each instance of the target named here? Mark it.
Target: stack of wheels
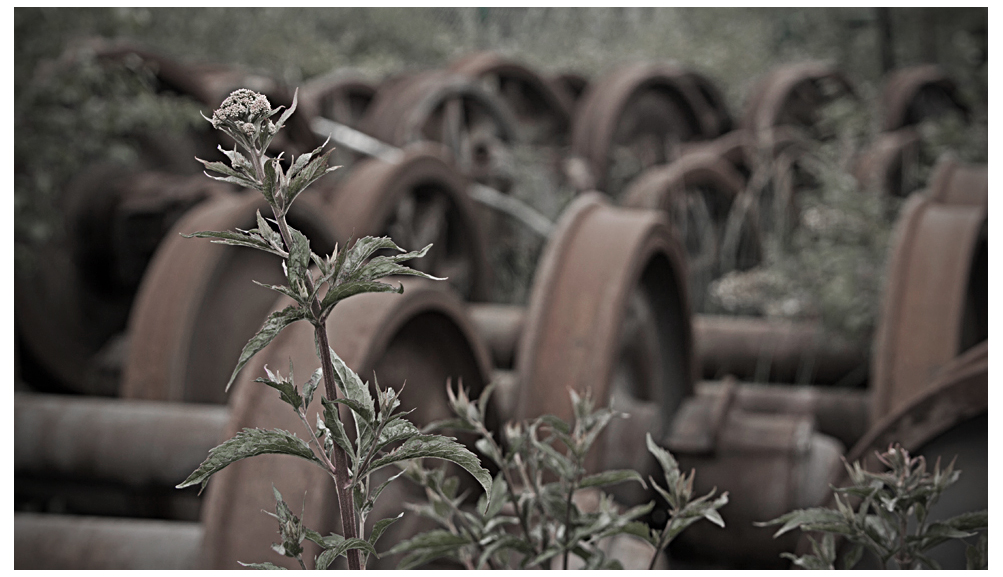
(71, 309)
(930, 368)
(704, 197)
(422, 337)
(453, 110)
(637, 117)
(910, 95)
(613, 317)
(419, 200)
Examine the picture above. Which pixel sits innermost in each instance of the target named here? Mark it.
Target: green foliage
(887, 502)
(532, 515)
(75, 113)
(383, 436)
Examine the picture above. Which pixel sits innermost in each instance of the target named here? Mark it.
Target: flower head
(242, 106)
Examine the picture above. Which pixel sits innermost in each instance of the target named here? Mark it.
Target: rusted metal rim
(544, 113)
(958, 392)
(791, 94)
(886, 165)
(342, 96)
(601, 262)
(69, 308)
(196, 307)
(954, 182)
(935, 298)
(420, 200)
(918, 92)
(422, 336)
(634, 104)
(453, 110)
(715, 186)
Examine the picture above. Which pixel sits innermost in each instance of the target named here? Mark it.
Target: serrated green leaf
(493, 504)
(384, 266)
(231, 174)
(249, 443)
(381, 526)
(270, 185)
(282, 289)
(611, 478)
(306, 176)
(341, 292)
(333, 421)
(435, 447)
(430, 540)
(287, 391)
(265, 565)
(360, 251)
(376, 494)
(269, 234)
(396, 430)
(311, 386)
(235, 239)
(272, 327)
(298, 263)
(969, 521)
(670, 468)
(352, 387)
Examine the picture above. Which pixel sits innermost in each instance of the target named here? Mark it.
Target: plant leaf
(236, 239)
(311, 386)
(287, 391)
(381, 526)
(436, 447)
(272, 327)
(353, 388)
(342, 291)
(611, 478)
(265, 565)
(248, 443)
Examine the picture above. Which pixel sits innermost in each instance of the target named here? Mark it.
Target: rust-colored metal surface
(636, 117)
(422, 336)
(957, 183)
(197, 307)
(137, 443)
(543, 113)
(103, 543)
(776, 351)
(918, 92)
(420, 200)
(68, 309)
(791, 95)
(702, 194)
(888, 166)
(936, 296)
(609, 313)
(342, 96)
(769, 463)
(451, 109)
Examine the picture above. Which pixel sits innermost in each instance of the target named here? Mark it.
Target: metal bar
(68, 542)
(134, 442)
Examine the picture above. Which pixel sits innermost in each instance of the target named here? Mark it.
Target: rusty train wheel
(422, 336)
(636, 117)
(543, 114)
(197, 307)
(609, 313)
(418, 201)
(936, 298)
(918, 92)
(792, 95)
(702, 193)
(78, 298)
(572, 84)
(450, 109)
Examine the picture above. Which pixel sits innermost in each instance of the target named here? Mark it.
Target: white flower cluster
(242, 106)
